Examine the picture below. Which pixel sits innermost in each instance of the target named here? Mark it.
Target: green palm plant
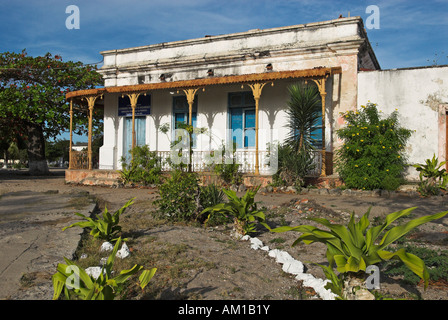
(102, 288)
(304, 113)
(354, 247)
(243, 210)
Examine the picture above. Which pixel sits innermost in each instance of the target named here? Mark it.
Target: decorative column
(133, 97)
(257, 88)
(91, 103)
(321, 86)
(71, 136)
(190, 93)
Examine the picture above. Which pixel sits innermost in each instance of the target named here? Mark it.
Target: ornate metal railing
(204, 161)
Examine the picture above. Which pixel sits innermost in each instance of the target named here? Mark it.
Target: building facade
(235, 87)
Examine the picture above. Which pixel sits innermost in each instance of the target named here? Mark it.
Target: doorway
(140, 135)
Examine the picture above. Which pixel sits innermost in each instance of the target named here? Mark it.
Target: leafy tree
(57, 149)
(33, 103)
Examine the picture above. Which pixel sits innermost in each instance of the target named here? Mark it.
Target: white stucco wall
(337, 43)
(417, 94)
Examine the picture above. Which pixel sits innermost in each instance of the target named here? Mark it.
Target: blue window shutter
(316, 134)
(249, 121)
(178, 117)
(236, 126)
(194, 123)
(140, 131)
(128, 139)
(249, 128)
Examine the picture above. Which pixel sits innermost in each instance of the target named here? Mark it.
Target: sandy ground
(240, 272)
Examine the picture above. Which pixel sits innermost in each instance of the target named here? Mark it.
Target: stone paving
(31, 240)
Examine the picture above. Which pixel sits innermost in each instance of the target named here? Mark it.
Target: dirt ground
(217, 267)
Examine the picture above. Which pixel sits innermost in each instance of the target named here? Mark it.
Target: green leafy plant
(104, 287)
(293, 166)
(145, 167)
(228, 170)
(179, 196)
(354, 247)
(106, 227)
(372, 155)
(192, 132)
(243, 210)
(432, 177)
(210, 196)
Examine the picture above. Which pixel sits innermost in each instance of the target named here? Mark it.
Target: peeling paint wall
(336, 43)
(417, 94)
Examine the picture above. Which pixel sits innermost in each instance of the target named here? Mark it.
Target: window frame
(247, 104)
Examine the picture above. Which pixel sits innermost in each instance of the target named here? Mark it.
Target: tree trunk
(36, 150)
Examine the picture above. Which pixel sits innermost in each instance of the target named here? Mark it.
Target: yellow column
(190, 93)
(71, 136)
(321, 86)
(133, 97)
(257, 88)
(91, 103)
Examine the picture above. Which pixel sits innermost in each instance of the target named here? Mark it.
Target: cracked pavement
(32, 242)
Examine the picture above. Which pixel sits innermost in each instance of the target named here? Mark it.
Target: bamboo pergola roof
(319, 72)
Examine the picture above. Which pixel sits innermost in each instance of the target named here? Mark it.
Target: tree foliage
(32, 97)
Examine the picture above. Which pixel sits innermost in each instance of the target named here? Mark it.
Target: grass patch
(435, 260)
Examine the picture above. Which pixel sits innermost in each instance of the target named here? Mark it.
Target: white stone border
(295, 267)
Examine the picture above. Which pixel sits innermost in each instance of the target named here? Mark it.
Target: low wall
(93, 177)
(112, 178)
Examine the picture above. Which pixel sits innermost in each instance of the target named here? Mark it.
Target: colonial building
(234, 86)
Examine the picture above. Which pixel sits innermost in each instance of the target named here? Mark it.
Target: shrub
(243, 210)
(228, 170)
(179, 196)
(432, 178)
(107, 227)
(145, 168)
(372, 155)
(293, 166)
(210, 196)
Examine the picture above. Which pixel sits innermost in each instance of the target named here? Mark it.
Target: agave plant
(354, 247)
(105, 228)
(243, 210)
(102, 288)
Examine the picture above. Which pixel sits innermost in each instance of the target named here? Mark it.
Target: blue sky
(411, 33)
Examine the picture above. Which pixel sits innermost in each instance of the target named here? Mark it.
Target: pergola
(256, 82)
